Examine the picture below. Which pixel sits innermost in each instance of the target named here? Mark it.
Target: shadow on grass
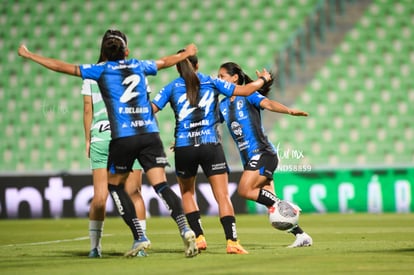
(409, 251)
(400, 250)
(84, 254)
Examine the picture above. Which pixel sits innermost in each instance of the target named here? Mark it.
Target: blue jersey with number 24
(195, 125)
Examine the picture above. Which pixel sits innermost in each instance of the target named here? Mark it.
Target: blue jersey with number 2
(124, 89)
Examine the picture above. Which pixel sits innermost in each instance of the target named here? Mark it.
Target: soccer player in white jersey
(134, 129)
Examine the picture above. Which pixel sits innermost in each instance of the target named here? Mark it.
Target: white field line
(51, 242)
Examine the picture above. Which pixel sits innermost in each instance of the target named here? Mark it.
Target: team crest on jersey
(240, 104)
(236, 128)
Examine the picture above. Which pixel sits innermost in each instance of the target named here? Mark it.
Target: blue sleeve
(224, 87)
(163, 97)
(150, 67)
(91, 71)
(255, 99)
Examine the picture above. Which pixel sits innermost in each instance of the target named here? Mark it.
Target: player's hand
(297, 113)
(265, 74)
(191, 49)
(23, 51)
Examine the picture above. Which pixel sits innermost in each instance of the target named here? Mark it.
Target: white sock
(143, 224)
(95, 233)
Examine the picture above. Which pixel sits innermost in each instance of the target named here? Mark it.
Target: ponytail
(186, 69)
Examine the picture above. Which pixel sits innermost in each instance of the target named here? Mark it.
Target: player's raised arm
(50, 63)
(244, 90)
(171, 60)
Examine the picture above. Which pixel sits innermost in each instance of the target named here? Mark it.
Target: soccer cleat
(234, 247)
(95, 253)
(190, 247)
(142, 253)
(138, 246)
(201, 243)
(302, 240)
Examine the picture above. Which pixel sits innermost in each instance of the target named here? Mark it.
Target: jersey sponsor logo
(204, 122)
(140, 123)
(254, 160)
(218, 166)
(161, 160)
(133, 110)
(193, 134)
(243, 145)
(104, 127)
(253, 163)
(122, 66)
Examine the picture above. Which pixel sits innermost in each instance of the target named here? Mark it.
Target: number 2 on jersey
(132, 81)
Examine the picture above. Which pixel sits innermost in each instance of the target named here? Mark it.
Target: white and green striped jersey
(100, 129)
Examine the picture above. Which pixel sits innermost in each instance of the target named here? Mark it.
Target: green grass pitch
(343, 244)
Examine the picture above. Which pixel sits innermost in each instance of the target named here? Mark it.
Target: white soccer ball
(284, 215)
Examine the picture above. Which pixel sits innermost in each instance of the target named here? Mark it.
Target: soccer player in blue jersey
(134, 131)
(194, 98)
(258, 155)
(97, 138)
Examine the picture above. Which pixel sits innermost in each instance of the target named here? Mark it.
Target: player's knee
(100, 201)
(98, 205)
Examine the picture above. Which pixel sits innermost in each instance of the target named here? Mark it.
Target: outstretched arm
(277, 107)
(171, 60)
(50, 63)
(244, 90)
